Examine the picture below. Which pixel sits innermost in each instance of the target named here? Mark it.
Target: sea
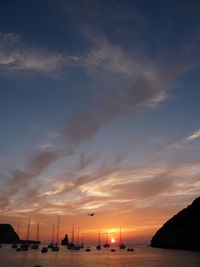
(143, 256)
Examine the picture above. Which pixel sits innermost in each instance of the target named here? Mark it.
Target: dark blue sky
(91, 90)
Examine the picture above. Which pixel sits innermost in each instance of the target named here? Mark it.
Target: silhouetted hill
(7, 234)
(182, 231)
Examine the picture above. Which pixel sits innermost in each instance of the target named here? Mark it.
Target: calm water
(142, 257)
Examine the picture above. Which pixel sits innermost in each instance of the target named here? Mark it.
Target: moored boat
(106, 245)
(44, 250)
(36, 245)
(77, 247)
(82, 242)
(121, 245)
(88, 249)
(56, 248)
(51, 245)
(71, 245)
(23, 247)
(130, 249)
(98, 247)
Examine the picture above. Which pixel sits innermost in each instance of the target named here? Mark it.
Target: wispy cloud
(110, 189)
(16, 55)
(20, 179)
(128, 82)
(193, 136)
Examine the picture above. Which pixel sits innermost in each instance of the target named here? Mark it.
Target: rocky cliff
(182, 231)
(7, 234)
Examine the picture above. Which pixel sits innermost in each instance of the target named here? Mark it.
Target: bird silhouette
(91, 214)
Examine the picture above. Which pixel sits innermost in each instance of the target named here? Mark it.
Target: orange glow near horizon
(87, 229)
(135, 227)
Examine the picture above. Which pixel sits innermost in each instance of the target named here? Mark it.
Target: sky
(99, 112)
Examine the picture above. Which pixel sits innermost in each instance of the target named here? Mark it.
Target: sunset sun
(112, 240)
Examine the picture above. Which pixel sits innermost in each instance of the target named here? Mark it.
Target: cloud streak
(19, 179)
(111, 189)
(127, 83)
(193, 136)
(16, 55)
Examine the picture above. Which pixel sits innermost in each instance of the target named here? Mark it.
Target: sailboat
(98, 247)
(25, 246)
(82, 242)
(121, 245)
(52, 239)
(130, 249)
(88, 249)
(36, 245)
(44, 250)
(106, 245)
(56, 247)
(71, 244)
(77, 247)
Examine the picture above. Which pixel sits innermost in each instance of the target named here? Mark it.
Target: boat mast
(28, 229)
(73, 234)
(82, 241)
(53, 233)
(38, 236)
(106, 237)
(120, 236)
(78, 236)
(58, 229)
(99, 235)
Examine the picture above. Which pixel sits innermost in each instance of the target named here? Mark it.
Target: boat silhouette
(51, 245)
(88, 249)
(77, 247)
(82, 242)
(25, 246)
(44, 250)
(121, 245)
(98, 247)
(106, 245)
(130, 249)
(56, 248)
(71, 245)
(36, 245)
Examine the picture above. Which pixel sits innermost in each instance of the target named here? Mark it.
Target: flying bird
(91, 214)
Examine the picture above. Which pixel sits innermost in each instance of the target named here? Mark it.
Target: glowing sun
(112, 240)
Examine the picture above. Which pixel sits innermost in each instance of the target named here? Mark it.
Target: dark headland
(7, 234)
(182, 231)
